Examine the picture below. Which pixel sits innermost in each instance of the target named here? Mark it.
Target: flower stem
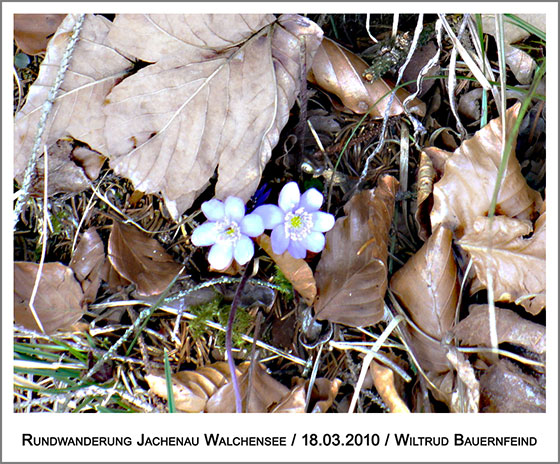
(229, 333)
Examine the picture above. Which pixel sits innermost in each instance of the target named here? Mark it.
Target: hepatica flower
(227, 231)
(297, 224)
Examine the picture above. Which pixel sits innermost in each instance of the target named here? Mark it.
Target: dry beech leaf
(191, 389)
(511, 328)
(428, 289)
(32, 31)
(339, 71)
(87, 263)
(384, 381)
(322, 396)
(59, 299)
(71, 169)
(352, 272)
(265, 393)
(466, 188)
(517, 265)
(218, 93)
(78, 108)
(141, 259)
(504, 388)
(297, 271)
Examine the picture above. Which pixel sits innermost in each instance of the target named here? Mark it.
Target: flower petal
(311, 200)
(235, 208)
(289, 197)
(297, 250)
(205, 234)
(322, 222)
(252, 225)
(271, 215)
(315, 242)
(279, 239)
(244, 250)
(221, 255)
(213, 209)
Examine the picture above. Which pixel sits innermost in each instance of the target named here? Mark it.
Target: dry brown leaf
(59, 299)
(191, 389)
(424, 200)
(517, 265)
(339, 71)
(352, 272)
(511, 328)
(504, 388)
(218, 92)
(383, 379)
(141, 260)
(78, 109)
(87, 263)
(67, 169)
(297, 271)
(266, 392)
(32, 31)
(466, 188)
(322, 396)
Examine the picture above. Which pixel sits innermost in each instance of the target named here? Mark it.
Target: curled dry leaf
(87, 263)
(428, 289)
(511, 328)
(383, 379)
(77, 111)
(520, 63)
(322, 396)
(504, 388)
(32, 31)
(71, 169)
(517, 264)
(265, 392)
(141, 260)
(466, 188)
(59, 299)
(191, 389)
(218, 93)
(339, 71)
(352, 272)
(297, 271)
(424, 200)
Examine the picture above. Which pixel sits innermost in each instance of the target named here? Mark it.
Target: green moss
(285, 286)
(218, 311)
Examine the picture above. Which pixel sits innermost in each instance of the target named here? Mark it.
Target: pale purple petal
(289, 197)
(252, 225)
(205, 234)
(213, 209)
(314, 242)
(244, 250)
(322, 222)
(296, 249)
(221, 255)
(235, 208)
(311, 200)
(279, 239)
(271, 215)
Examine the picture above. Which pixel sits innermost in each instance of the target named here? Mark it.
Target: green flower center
(228, 231)
(298, 224)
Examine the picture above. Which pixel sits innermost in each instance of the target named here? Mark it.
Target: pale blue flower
(227, 231)
(297, 224)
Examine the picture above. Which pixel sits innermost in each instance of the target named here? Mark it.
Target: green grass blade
(169, 382)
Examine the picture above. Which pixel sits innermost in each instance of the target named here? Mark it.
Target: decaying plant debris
(436, 184)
